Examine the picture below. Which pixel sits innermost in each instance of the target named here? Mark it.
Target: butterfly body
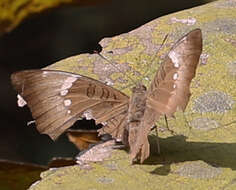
(137, 105)
(58, 99)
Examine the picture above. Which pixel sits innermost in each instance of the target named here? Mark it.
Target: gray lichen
(213, 101)
(199, 170)
(204, 124)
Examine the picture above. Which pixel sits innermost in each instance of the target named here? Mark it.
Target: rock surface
(194, 158)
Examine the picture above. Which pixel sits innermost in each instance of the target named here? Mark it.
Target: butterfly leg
(118, 145)
(157, 139)
(167, 126)
(158, 142)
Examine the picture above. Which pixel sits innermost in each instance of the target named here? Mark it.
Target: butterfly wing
(58, 99)
(170, 89)
(83, 138)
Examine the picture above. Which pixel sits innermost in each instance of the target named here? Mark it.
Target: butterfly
(58, 99)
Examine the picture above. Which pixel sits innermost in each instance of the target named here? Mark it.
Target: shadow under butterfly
(58, 99)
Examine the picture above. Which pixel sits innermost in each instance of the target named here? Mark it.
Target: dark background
(49, 37)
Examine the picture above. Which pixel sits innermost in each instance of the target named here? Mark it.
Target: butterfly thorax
(137, 105)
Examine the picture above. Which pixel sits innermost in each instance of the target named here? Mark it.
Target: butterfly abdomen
(137, 105)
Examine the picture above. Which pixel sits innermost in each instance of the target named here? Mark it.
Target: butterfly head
(139, 88)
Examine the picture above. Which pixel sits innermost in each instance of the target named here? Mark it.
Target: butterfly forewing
(57, 99)
(169, 89)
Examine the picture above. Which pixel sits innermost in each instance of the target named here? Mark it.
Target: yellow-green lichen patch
(119, 42)
(76, 64)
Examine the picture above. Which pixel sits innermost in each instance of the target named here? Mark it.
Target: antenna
(158, 50)
(103, 57)
(135, 83)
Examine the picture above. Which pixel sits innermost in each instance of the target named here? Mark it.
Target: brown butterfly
(58, 99)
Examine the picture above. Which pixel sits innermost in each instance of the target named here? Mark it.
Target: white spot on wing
(68, 83)
(174, 86)
(176, 65)
(174, 58)
(104, 123)
(44, 74)
(21, 102)
(67, 102)
(88, 114)
(30, 122)
(175, 76)
(64, 92)
(68, 111)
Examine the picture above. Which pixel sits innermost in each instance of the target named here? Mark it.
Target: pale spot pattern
(104, 123)
(174, 58)
(88, 114)
(67, 85)
(21, 102)
(67, 102)
(64, 92)
(31, 122)
(176, 65)
(175, 76)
